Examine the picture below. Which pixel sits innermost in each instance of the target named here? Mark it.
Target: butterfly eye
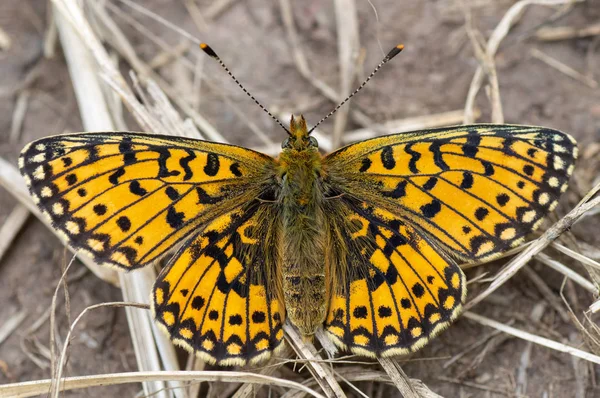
(313, 142)
(286, 143)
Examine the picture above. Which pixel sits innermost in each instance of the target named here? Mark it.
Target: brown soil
(431, 76)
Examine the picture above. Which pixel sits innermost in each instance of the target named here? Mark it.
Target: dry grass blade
(499, 33)
(62, 359)
(321, 374)
(568, 272)
(538, 245)
(567, 32)
(399, 378)
(533, 338)
(348, 46)
(565, 69)
(40, 387)
(11, 324)
(11, 227)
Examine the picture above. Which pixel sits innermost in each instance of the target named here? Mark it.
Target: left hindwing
(476, 190)
(218, 296)
(127, 198)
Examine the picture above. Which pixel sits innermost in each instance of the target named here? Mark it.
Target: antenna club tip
(395, 51)
(208, 50)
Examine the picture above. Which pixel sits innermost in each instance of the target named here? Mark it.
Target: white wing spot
(564, 187)
(529, 216)
(39, 158)
(40, 147)
(559, 163)
(58, 209)
(72, 227)
(544, 198)
(38, 173)
(553, 182)
(46, 192)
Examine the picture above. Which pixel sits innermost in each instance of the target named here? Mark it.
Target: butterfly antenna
(211, 53)
(395, 51)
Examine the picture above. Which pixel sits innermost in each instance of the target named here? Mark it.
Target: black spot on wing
(470, 148)
(437, 155)
(431, 209)
(136, 188)
(126, 149)
(124, 223)
(114, 177)
(235, 169)
(185, 164)
(387, 158)
(398, 192)
(212, 165)
(366, 163)
(172, 193)
(414, 157)
(163, 170)
(174, 218)
(430, 184)
(467, 181)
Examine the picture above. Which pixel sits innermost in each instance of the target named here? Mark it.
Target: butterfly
(363, 242)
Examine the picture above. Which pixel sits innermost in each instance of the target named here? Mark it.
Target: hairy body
(303, 249)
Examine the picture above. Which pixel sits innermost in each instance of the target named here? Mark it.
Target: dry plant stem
(249, 390)
(486, 60)
(11, 324)
(12, 181)
(306, 350)
(567, 32)
(348, 45)
(538, 245)
(11, 227)
(566, 271)
(18, 116)
(39, 387)
(574, 255)
(399, 378)
(56, 369)
(533, 338)
(524, 361)
(547, 293)
(61, 363)
(565, 69)
(493, 44)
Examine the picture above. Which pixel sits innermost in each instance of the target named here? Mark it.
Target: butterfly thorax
(301, 196)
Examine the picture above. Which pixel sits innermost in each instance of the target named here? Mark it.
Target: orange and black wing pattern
(394, 290)
(127, 198)
(476, 190)
(218, 296)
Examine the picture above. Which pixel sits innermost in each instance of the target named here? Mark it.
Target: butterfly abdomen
(303, 267)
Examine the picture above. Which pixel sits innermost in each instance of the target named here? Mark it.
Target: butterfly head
(299, 137)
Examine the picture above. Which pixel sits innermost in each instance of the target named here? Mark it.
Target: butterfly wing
(218, 296)
(476, 190)
(394, 289)
(127, 198)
